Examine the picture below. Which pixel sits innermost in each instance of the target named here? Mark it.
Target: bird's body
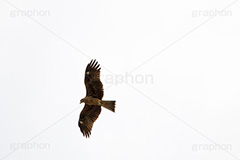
(93, 100)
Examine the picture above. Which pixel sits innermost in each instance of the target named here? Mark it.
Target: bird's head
(82, 100)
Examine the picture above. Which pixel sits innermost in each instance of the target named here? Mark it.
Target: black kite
(93, 100)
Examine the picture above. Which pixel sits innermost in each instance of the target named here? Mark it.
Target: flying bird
(93, 99)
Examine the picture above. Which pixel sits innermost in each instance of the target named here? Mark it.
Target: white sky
(188, 107)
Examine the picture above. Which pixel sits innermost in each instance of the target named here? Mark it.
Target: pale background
(189, 109)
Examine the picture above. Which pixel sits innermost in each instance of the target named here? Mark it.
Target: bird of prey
(93, 100)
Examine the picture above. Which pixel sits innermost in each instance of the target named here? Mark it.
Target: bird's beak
(81, 101)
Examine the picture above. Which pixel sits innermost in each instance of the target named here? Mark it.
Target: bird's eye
(87, 73)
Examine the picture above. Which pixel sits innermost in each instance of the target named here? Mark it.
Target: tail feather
(109, 105)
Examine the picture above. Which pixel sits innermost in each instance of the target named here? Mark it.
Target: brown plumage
(93, 100)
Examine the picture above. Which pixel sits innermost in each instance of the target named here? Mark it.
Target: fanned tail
(110, 105)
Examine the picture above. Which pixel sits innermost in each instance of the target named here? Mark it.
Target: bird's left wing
(92, 80)
(87, 117)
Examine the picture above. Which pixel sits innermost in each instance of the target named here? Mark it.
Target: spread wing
(87, 117)
(92, 80)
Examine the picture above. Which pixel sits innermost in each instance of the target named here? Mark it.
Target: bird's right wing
(87, 117)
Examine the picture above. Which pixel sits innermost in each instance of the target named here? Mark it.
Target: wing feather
(92, 80)
(87, 117)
